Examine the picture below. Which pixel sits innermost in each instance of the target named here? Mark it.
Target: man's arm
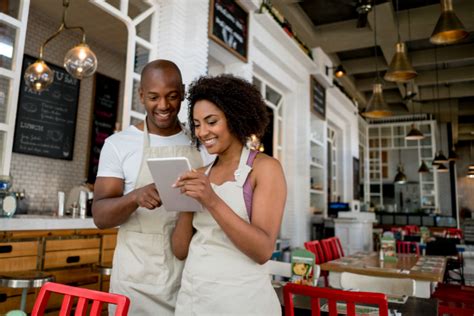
(111, 208)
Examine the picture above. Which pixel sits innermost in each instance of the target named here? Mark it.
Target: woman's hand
(196, 184)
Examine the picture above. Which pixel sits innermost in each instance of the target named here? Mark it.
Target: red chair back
(84, 296)
(331, 249)
(411, 229)
(453, 233)
(332, 296)
(315, 247)
(408, 247)
(455, 299)
(339, 246)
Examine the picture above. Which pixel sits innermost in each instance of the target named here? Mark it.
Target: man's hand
(147, 197)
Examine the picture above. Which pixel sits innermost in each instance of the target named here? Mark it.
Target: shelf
(313, 191)
(316, 142)
(316, 165)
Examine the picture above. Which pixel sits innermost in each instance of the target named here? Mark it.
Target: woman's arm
(257, 239)
(182, 234)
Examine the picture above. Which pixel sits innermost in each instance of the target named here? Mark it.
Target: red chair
(315, 247)
(408, 247)
(84, 296)
(332, 296)
(453, 233)
(455, 299)
(332, 248)
(411, 229)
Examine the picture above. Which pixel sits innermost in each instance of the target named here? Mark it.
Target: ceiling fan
(363, 7)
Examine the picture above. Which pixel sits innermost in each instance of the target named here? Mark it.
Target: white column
(182, 38)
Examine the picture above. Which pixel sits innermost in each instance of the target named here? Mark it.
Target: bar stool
(103, 270)
(24, 280)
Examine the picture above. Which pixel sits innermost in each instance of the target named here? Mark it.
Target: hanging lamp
(400, 68)
(423, 167)
(376, 107)
(400, 177)
(414, 133)
(449, 29)
(80, 61)
(442, 168)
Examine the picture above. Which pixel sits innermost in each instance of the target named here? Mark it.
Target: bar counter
(45, 222)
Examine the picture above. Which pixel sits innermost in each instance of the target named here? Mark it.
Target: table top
(414, 306)
(407, 266)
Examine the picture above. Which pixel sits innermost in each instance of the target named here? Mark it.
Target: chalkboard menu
(103, 120)
(46, 120)
(228, 26)
(318, 98)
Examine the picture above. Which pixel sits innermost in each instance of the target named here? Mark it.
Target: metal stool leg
(24, 294)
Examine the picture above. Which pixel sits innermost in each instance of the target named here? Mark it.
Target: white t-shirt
(121, 154)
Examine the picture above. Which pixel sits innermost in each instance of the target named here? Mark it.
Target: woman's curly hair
(242, 104)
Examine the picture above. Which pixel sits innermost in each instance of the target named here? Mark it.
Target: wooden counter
(69, 254)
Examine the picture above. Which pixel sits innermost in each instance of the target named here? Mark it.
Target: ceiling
(331, 25)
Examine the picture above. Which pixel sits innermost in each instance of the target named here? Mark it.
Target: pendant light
(449, 29)
(440, 158)
(452, 156)
(400, 177)
(400, 69)
(470, 168)
(376, 107)
(414, 133)
(442, 168)
(423, 167)
(80, 61)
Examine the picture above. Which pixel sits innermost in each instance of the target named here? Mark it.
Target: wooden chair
(332, 296)
(315, 247)
(84, 296)
(408, 247)
(389, 286)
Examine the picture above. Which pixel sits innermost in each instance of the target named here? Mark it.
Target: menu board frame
(46, 120)
(104, 114)
(222, 11)
(317, 100)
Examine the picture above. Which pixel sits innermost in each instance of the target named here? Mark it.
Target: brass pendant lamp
(449, 29)
(376, 107)
(400, 69)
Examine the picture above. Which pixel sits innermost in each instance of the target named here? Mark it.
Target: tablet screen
(165, 172)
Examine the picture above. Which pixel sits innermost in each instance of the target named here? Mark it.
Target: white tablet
(165, 172)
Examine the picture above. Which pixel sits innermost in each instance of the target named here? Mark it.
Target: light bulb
(80, 61)
(38, 76)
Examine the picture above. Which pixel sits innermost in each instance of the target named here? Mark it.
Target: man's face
(161, 93)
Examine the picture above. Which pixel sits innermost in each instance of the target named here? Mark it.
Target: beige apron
(144, 267)
(218, 279)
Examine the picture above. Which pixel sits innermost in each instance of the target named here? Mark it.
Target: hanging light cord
(437, 97)
(375, 45)
(398, 21)
(61, 28)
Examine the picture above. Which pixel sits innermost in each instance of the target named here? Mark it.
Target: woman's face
(211, 127)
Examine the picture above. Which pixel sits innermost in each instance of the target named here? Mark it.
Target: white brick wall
(40, 177)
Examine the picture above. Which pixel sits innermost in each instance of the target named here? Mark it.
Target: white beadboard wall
(42, 178)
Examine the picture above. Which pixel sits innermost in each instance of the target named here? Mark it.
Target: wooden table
(425, 270)
(414, 306)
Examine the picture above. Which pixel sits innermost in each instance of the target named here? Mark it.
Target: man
(144, 268)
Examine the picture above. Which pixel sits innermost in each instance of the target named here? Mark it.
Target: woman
(227, 244)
